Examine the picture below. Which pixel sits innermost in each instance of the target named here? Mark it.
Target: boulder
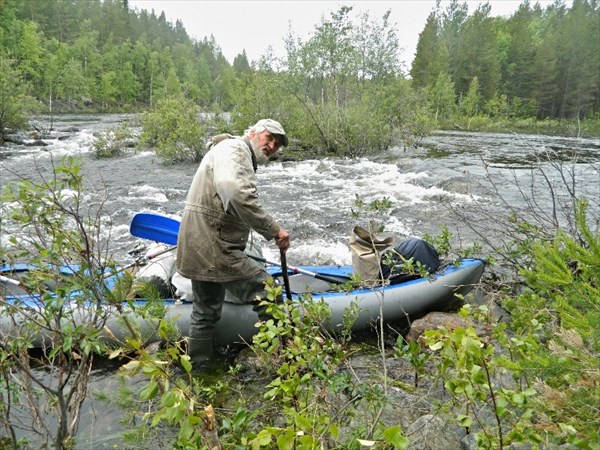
(433, 321)
(431, 432)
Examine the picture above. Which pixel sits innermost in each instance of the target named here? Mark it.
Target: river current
(319, 201)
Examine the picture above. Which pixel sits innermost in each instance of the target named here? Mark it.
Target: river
(317, 200)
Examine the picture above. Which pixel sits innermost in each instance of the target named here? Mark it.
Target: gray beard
(261, 158)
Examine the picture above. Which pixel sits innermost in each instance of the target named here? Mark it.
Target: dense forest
(538, 62)
(101, 55)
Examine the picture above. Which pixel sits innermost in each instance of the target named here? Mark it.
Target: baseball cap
(273, 127)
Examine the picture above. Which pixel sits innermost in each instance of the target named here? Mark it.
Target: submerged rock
(458, 184)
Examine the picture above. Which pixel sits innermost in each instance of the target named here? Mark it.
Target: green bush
(536, 378)
(58, 304)
(176, 131)
(558, 315)
(15, 102)
(108, 144)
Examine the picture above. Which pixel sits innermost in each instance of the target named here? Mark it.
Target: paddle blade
(155, 228)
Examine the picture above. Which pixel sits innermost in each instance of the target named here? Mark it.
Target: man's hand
(282, 239)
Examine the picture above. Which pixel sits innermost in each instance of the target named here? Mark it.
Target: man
(221, 208)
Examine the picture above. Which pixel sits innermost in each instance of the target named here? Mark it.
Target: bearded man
(221, 208)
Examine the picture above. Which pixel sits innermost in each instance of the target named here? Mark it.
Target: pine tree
(431, 57)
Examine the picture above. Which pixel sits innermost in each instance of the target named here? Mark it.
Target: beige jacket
(221, 207)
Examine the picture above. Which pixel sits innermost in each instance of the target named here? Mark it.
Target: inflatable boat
(333, 285)
(237, 323)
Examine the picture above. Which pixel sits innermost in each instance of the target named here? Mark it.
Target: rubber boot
(200, 349)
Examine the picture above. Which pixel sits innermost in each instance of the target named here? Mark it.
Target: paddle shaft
(141, 261)
(318, 276)
(284, 272)
(6, 280)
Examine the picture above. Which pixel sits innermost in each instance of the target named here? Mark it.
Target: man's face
(265, 144)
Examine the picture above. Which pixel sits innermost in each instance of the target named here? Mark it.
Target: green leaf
(464, 421)
(477, 375)
(187, 430)
(262, 439)
(529, 392)
(286, 441)
(501, 410)
(149, 391)
(302, 422)
(436, 346)
(395, 436)
(518, 398)
(334, 431)
(185, 362)
(115, 353)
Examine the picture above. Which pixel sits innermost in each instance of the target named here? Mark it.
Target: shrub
(56, 305)
(174, 128)
(15, 103)
(108, 144)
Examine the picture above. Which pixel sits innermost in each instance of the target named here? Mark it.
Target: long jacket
(221, 207)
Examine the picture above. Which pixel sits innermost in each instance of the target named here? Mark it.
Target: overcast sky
(254, 25)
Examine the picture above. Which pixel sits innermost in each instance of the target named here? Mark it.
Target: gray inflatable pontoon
(237, 323)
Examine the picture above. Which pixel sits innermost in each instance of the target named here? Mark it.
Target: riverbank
(588, 128)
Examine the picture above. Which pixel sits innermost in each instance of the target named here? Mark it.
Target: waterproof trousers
(208, 303)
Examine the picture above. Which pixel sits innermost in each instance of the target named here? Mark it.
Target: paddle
(164, 229)
(141, 260)
(330, 279)
(155, 228)
(6, 280)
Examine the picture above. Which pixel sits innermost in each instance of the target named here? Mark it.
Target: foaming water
(148, 194)
(320, 201)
